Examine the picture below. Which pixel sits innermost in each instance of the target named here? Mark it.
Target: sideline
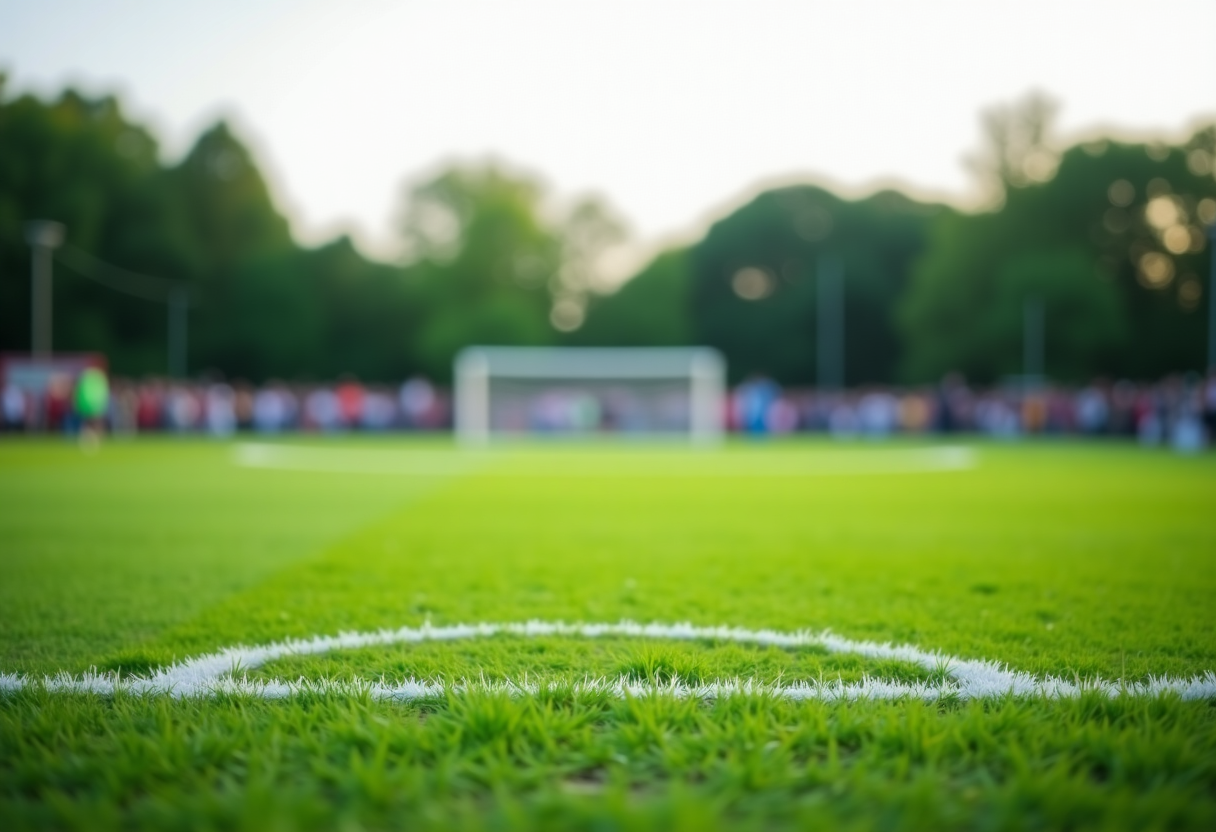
(213, 674)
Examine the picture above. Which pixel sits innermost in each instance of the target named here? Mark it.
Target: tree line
(1106, 237)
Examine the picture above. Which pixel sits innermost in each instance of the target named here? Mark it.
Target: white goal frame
(703, 368)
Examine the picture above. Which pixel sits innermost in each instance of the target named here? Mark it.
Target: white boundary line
(680, 463)
(420, 463)
(214, 673)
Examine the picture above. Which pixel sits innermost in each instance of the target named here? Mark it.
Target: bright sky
(673, 111)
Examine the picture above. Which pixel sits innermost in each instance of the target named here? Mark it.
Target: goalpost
(644, 391)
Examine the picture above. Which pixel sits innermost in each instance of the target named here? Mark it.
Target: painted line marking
(214, 674)
(354, 460)
(832, 463)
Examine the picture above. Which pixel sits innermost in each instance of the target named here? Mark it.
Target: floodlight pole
(830, 320)
(44, 236)
(1033, 331)
(1212, 298)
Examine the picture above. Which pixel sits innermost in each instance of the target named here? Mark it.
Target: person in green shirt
(91, 402)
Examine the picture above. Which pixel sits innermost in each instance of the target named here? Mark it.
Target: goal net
(658, 391)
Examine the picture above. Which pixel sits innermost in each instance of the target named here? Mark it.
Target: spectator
(1092, 410)
(322, 411)
(220, 410)
(350, 401)
(14, 407)
(878, 414)
(379, 410)
(753, 399)
(417, 398)
(270, 409)
(1177, 411)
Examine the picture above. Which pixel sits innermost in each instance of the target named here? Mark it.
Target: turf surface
(1064, 559)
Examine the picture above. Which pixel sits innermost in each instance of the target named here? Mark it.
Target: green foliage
(1067, 559)
(318, 313)
(227, 202)
(81, 162)
(1017, 151)
(753, 279)
(652, 309)
(1094, 243)
(260, 306)
(485, 263)
(589, 230)
(1108, 235)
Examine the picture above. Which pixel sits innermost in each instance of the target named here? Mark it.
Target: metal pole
(177, 306)
(1033, 331)
(830, 334)
(1212, 298)
(43, 236)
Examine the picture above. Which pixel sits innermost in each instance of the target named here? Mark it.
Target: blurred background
(886, 217)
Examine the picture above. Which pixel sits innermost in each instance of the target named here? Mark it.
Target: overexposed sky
(673, 111)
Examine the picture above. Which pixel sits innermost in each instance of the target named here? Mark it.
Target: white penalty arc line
(215, 674)
(439, 463)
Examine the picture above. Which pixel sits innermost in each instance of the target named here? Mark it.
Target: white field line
(675, 463)
(353, 460)
(215, 673)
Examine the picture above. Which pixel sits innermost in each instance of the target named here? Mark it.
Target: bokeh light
(1177, 239)
(1121, 193)
(1162, 212)
(1207, 211)
(566, 315)
(753, 283)
(1155, 270)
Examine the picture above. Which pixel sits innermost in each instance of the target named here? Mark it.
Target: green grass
(1056, 558)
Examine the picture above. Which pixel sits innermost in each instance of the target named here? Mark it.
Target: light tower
(1212, 297)
(44, 236)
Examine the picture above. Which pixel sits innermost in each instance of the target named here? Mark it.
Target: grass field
(1065, 560)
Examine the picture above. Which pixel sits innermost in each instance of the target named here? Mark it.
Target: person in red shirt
(350, 401)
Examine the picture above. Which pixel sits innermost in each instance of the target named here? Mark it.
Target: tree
(1018, 150)
(484, 262)
(651, 309)
(82, 162)
(1131, 212)
(320, 313)
(227, 207)
(753, 291)
(262, 306)
(589, 233)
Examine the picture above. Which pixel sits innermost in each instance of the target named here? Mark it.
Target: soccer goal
(640, 391)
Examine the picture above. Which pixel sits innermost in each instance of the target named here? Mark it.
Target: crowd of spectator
(1180, 410)
(220, 408)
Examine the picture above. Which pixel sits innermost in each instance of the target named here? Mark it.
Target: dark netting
(589, 406)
